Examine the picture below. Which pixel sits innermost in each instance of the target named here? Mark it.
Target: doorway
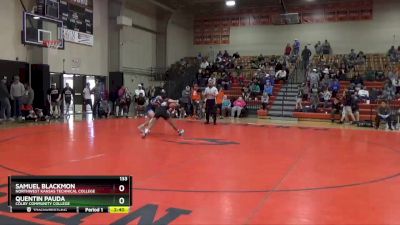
(92, 81)
(69, 78)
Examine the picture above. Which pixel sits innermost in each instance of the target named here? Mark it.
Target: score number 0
(121, 188)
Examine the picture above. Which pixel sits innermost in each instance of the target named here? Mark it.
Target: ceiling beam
(161, 5)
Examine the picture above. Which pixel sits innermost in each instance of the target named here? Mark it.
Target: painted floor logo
(202, 141)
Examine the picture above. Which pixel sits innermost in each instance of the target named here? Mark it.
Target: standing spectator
(186, 100)
(68, 94)
(314, 97)
(393, 54)
(352, 56)
(219, 101)
(337, 107)
(288, 50)
(383, 113)
(196, 98)
(96, 91)
(305, 55)
(140, 106)
(87, 98)
(326, 48)
(318, 48)
(5, 112)
(17, 90)
(151, 93)
(54, 99)
(125, 101)
(296, 47)
(238, 106)
(27, 99)
(347, 110)
(355, 107)
(211, 93)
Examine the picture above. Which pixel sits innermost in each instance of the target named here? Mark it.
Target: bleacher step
(279, 113)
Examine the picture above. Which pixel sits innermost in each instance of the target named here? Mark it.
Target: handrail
(287, 87)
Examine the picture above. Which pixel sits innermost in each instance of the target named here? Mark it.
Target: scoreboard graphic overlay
(63, 194)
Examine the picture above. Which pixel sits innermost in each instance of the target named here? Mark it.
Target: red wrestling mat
(225, 174)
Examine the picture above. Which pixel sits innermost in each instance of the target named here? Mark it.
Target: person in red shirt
(288, 50)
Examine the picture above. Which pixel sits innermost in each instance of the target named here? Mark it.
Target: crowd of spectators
(323, 87)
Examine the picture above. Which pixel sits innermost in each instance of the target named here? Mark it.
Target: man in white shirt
(211, 93)
(363, 93)
(139, 91)
(87, 97)
(204, 64)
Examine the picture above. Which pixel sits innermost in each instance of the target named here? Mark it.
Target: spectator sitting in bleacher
(335, 87)
(357, 79)
(219, 55)
(383, 113)
(236, 55)
(246, 93)
(226, 106)
(281, 75)
(226, 54)
(268, 88)
(326, 48)
(238, 106)
(326, 96)
(389, 91)
(204, 64)
(264, 100)
(325, 82)
(363, 93)
(226, 81)
(254, 89)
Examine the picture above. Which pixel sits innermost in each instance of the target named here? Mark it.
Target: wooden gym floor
(224, 174)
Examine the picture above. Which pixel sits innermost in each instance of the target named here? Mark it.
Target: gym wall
(179, 37)
(374, 36)
(93, 60)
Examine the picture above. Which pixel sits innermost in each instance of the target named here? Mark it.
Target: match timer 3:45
(89, 194)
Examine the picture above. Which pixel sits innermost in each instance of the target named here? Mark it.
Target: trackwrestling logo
(202, 141)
